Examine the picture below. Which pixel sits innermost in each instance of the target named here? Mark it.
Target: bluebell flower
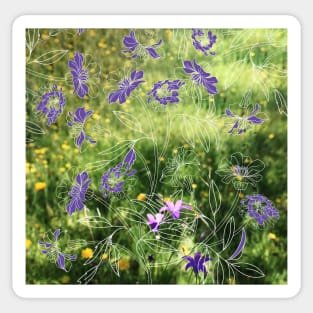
(198, 43)
(200, 77)
(136, 49)
(78, 193)
(79, 75)
(197, 263)
(52, 104)
(50, 248)
(126, 87)
(165, 91)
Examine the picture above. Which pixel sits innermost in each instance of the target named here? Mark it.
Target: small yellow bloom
(65, 146)
(37, 226)
(107, 52)
(102, 44)
(65, 279)
(186, 145)
(87, 253)
(113, 48)
(96, 116)
(272, 236)
(40, 185)
(241, 195)
(105, 256)
(252, 54)
(107, 120)
(62, 169)
(124, 264)
(28, 243)
(44, 36)
(141, 197)
(167, 199)
(56, 40)
(162, 159)
(231, 281)
(175, 151)
(185, 251)
(271, 136)
(204, 194)
(194, 186)
(263, 49)
(68, 165)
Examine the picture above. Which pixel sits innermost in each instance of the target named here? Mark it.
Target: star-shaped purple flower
(198, 44)
(113, 180)
(243, 123)
(52, 104)
(77, 121)
(62, 260)
(154, 222)
(165, 91)
(197, 263)
(136, 49)
(78, 193)
(175, 208)
(126, 87)
(79, 75)
(200, 77)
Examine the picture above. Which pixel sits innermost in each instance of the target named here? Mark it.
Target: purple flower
(77, 122)
(165, 91)
(200, 77)
(198, 43)
(113, 180)
(154, 222)
(240, 246)
(62, 260)
(52, 104)
(136, 49)
(241, 171)
(80, 31)
(126, 87)
(78, 193)
(175, 208)
(79, 75)
(260, 208)
(243, 123)
(197, 263)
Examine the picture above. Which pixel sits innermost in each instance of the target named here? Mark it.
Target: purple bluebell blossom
(197, 263)
(79, 75)
(113, 180)
(136, 49)
(52, 104)
(243, 123)
(175, 208)
(80, 31)
(155, 221)
(77, 122)
(198, 43)
(78, 193)
(200, 77)
(126, 87)
(51, 249)
(260, 208)
(165, 91)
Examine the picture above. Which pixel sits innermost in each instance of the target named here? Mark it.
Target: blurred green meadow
(250, 65)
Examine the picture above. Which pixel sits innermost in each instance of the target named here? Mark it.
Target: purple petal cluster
(62, 259)
(113, 180)
(52, 104)
(78, 193)
(197, 263)
(79, 75)
(173, 208)
(242, 124)
(260, 208)
(197, 43)
(165, 91)
(136, 49)
(77, 120)
(126, 87)
(200, 77)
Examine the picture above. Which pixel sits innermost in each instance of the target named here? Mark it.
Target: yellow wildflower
(271, 136)
(141, 197)
(28, 243)
(194, 186)
(124, 264)
(40, 185)
(87, 253)
(272, 236)
(105, 256)
(65, 146)
(65, 279)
